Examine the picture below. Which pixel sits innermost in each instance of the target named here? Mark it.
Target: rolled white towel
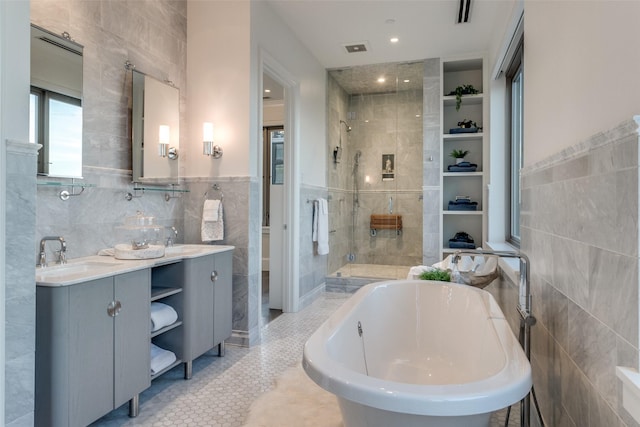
(162, 315)
(160, 358)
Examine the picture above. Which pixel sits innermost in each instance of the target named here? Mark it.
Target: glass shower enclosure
(375, 129)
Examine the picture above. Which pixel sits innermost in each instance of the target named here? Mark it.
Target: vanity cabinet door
(132, 334)
(90, 347)
(198, 313)
(223, 297)
(208, 302)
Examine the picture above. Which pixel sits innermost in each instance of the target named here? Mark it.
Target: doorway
(273, 199)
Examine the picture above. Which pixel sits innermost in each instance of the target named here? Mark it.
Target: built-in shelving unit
(166, 287)
(474, 107)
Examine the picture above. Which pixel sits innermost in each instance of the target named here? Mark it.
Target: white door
(276, 219)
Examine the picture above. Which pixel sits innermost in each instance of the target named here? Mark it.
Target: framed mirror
(55, 116)
(155, 130)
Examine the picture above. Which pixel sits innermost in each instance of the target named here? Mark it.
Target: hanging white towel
(160, 358)
(212, 230)
(211, 210)
(320, 232)
(162, 315)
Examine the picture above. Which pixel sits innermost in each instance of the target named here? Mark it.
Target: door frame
(290, 264)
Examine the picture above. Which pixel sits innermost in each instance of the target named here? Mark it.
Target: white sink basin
(63, 270)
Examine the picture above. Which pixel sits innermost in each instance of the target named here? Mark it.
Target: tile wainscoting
(580, 231)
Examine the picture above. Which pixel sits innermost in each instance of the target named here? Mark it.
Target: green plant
(437, 274)
(463, 90)
(459, 154)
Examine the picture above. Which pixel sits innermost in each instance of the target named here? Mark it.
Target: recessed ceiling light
(406, 80)
(267, 91)
(394, 40)
(417, 115)
(381, 79)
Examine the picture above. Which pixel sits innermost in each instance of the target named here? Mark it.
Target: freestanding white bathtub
(437, 354)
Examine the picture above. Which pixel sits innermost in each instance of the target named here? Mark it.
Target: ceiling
(425, 29)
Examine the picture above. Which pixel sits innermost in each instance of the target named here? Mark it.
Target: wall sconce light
(164, 136)
(208, 148)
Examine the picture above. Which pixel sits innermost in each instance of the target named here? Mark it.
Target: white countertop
(80, 270)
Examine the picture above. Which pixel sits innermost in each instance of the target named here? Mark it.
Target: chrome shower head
(347, 125)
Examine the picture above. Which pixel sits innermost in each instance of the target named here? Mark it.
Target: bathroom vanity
(93, 333)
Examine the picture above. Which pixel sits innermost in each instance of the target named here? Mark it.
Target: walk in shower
(375, 129)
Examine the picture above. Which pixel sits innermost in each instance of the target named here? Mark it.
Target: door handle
(214, 276)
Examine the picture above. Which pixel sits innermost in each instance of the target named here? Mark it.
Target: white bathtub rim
(508, 386)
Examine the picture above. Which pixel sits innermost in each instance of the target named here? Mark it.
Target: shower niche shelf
(454, 73)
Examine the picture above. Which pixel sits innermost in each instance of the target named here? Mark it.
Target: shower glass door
(375, 174)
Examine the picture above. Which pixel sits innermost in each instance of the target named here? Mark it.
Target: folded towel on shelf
(211, 210)
(463, 167)
(162, 315)
(160, 359)
(462, 205)
(320, 232)
(212, 230)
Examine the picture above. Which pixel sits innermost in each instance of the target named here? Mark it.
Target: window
(515, 88)
(272, 167)
(55, 121)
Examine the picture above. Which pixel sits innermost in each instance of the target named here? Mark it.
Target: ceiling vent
(463, 11)
(356, 47)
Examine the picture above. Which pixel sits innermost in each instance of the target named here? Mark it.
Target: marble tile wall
(240, 197)
(313, 267)
(580, 230)
(20, 295)
(152, 35)
(431, 167)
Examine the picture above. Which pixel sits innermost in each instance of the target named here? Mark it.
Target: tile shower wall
(338, 178)
(394, 127)
(580, 231)
(388, 124)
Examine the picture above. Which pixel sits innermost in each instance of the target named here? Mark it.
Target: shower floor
(351, 277)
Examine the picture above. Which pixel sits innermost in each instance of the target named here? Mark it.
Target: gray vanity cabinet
(208, 303)
(92, 347)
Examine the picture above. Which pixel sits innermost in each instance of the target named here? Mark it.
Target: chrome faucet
(62, 253)
(524, 309)
(171, 239)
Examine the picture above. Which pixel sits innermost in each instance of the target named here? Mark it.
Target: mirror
(155, 130)
(55, 108)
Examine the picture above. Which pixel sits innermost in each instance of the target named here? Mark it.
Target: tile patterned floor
(222, 389)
